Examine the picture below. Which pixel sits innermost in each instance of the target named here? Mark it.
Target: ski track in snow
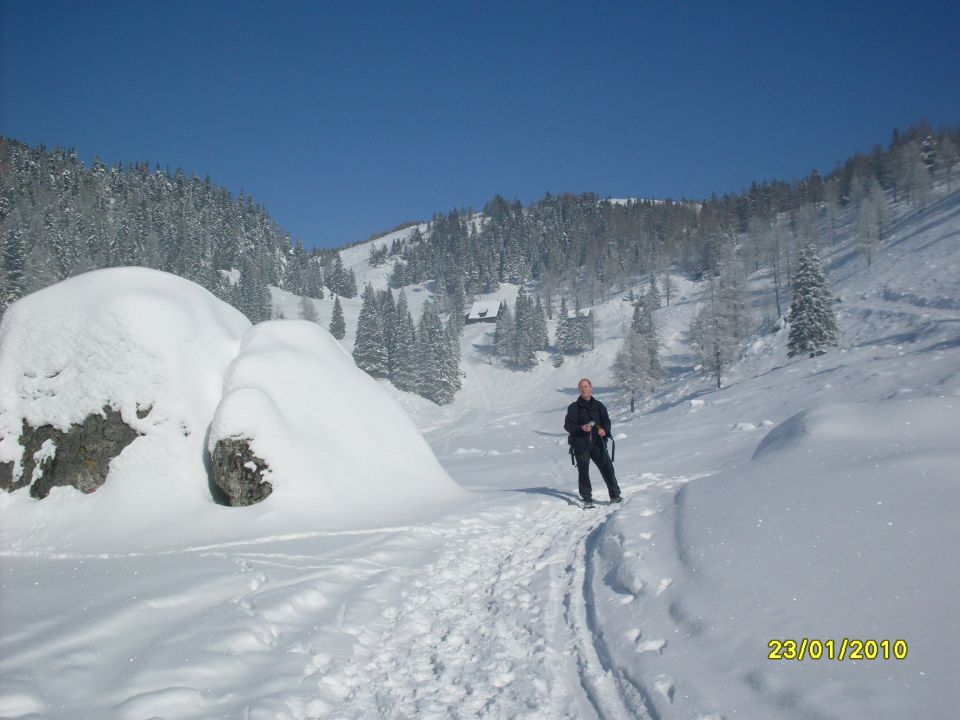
(499, 618)
(498, 626)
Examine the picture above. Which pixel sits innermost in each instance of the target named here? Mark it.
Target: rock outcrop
(79, 457)
(238, 472)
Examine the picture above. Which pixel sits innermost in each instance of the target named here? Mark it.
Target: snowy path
(485, 613)
(496, 626)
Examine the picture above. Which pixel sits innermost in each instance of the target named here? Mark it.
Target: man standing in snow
(588, 423)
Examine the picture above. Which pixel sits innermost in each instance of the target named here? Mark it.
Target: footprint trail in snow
(492, 628)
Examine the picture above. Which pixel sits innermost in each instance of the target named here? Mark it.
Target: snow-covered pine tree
(440, 294)
(433, 350)
(388, 312)
(313, 280)
(457, 305)
(369, 349)
(14, 262)
(342, 281)
(294, 272)
(406, 372)
(578, 335)
(398, 276)
(338, 328)
(631, 368)
(504, 336)
(450, 377)
(562, 336)
(522, 347)
(252, 295)
(653, 293)
(428, 369)
(813, 323)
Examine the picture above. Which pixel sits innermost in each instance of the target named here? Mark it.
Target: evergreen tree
(14, 262)
(522, 346)
(253, 295)
(398, 276)
(369, 349)
(577, 332)
(313, 280)
(562, 339)
(338, 328)
(813, 324)
(450, 377)
(457, 302)
(388, 311)
(406, 370)
(343, 282)
(433, 348)
(505, 334)
(294, 276)
(653, 293)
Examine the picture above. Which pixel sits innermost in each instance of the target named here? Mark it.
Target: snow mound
(836, 529)
(131, 338)
(787, 434)
(329, 432)
(163, 352)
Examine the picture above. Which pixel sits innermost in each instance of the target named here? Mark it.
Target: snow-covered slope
(809, 498)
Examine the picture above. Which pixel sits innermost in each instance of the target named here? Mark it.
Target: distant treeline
(59, 218)
(583, 246)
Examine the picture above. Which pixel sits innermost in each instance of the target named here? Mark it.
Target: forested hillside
(583, 245)
(59, 218)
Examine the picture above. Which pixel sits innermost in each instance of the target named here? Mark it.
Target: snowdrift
(332, 435)
(162, 351)
(835, 529)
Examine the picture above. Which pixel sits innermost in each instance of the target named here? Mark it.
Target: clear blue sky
(345, 118)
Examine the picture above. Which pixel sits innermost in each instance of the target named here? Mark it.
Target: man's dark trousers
(599, 454)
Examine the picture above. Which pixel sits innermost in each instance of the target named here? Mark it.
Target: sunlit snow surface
(811, 498)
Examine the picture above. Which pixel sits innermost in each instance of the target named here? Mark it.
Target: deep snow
(809, 498)
(186, 370)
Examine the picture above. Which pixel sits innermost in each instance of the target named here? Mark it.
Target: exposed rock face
(79, 457)
(238, 472)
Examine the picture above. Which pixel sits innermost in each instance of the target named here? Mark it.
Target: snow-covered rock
(177, 367)
(150, 346)
(328, 432)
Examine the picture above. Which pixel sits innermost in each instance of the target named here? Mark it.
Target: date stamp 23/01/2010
(845, 649)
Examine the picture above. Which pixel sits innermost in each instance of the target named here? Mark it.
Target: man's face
(585, 389)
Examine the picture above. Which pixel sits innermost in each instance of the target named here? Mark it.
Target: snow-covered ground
(810, 498)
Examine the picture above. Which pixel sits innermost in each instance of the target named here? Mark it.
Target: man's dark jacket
(580, 413)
